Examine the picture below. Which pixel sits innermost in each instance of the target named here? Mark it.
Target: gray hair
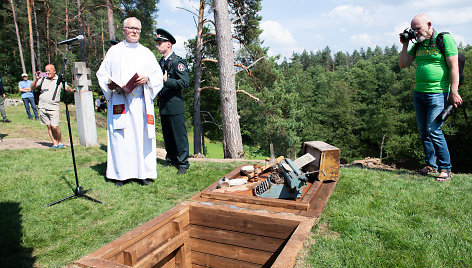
(125, 22)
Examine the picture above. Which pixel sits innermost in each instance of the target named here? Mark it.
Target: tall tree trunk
(103, 41)
(30, 27)
(67, 20)
(111, 22)
(81, 31)
(18, 37)
(381, 146)
(197, 118)
(38, 44)
(232, 141)
(47, 11)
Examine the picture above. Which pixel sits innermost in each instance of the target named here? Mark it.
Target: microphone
(68, 41)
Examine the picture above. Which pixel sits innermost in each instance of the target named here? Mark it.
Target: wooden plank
(289, 253)
(163, 251)
(116, 246)
(129, 257)
(156, 238)
(229, 251)
(257, 200)
(242, 221)
(182, 258)
(238, 188)
(262, 169)
(98, 263)
(168, 261)
(315, 186)
(178, 226)
(320, 200)
(207, 260)
(236, 238)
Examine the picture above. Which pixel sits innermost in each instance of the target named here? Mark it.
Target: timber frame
(218, 229)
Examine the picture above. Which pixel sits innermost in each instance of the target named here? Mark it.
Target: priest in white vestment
(131, 150)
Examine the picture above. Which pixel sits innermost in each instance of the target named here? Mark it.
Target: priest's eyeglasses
(133, 29)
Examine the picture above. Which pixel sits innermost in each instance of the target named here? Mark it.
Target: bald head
(421, 19)
(51, 70)
(422, 26)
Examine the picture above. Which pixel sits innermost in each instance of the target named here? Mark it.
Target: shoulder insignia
(181, 67)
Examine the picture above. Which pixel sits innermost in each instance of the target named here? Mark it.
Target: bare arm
(405, 59)
(454, 96)
(35, 81)
(68, 88)
(24, 89)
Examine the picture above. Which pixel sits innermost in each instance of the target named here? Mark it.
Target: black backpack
(460, 56)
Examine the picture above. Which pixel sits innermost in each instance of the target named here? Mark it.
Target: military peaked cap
(164, 36)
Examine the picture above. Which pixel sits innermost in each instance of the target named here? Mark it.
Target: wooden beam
(290, 251)
(290, 204)
(115, 247)
(161, 252)
(207, 260)
(242, 221)
(252, 241)
(229, 251)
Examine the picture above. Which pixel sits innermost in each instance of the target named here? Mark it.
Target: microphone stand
(79, 190)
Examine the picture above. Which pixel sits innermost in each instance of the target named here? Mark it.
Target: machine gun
(294, 182)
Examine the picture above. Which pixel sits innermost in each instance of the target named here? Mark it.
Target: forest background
(360, 102)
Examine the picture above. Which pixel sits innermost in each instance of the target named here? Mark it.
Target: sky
(296, 25)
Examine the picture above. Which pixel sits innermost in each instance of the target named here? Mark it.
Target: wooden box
(203, 235)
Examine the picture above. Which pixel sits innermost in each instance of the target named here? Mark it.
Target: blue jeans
(27, 102)
(428, 106)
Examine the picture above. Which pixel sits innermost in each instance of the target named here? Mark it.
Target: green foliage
(361, 103)
(394, 219)
(37, 236)
(59, 20)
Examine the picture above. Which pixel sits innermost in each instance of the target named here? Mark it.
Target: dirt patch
(24, 143)
(324, 231)
(374, 163)
(30, 143)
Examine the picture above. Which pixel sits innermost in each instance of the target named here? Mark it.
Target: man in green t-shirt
(437, 82)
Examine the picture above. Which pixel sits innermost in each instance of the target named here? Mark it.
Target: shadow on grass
(161, 162)
(12, 254)
(101, 168)
(103, 147)
(46, 144)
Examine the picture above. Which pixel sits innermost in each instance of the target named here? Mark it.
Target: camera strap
(38, 88)
(432, 37)
(417, 44)
(465, 115)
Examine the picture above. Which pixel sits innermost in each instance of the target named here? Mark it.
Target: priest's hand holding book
(134, 81)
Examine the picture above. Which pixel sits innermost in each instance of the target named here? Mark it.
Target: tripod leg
(60, 200)
(90, 198)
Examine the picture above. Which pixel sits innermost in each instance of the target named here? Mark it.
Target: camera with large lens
(446, 112)
(407, 35)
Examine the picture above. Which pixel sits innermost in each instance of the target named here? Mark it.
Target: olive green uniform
(172, 111)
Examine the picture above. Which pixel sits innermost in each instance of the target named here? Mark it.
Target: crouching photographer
(436, 84)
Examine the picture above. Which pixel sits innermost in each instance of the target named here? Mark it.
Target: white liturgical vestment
(131, 149)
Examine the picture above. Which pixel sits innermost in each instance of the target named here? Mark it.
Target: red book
(129, 87)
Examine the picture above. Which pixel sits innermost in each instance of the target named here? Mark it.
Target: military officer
(171, 103)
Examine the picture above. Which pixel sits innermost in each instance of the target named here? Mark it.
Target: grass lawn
(373, 218)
